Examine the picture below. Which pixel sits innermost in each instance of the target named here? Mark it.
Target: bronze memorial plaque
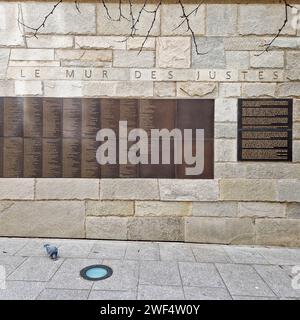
(106, 138)
(265, 129)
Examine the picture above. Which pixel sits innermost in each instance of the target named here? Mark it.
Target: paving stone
(210, 253)
(162, 273)
(9, 246)
(197, 293)
(253, 298)
(280, 256)
(199, 275)
(176, 252)
(61, 294)
(278, 280)
(146, 292)
(112, 295)
(35, 247)
(10, 263)
(243, 280)
(245, 255)
(36, 269)
(21, 290)
(68, 277)
(125, 276)
(108, 250)
(142, 251)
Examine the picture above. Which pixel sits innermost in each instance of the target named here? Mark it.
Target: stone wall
(246, 203)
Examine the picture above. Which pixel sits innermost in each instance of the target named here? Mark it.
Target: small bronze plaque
(265, 129)
(151, 138)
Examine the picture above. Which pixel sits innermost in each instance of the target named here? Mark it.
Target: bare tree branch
(121, 15)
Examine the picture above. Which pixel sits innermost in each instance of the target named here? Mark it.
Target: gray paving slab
(63, 294)
(202, 293)
(68, 275)
(35, 247)
(176, 252)
(36, 269)
(253, 298)
(108, 250)
(161, 273)
(199, 275)
(125, 276)
(9, 246)
(146, 292)
(112, 295)
(243, 280)
(278, 280)
(281, 256)
(245, 255)
(10, 263)
(142, 251)
(21, 290)
(210, 253)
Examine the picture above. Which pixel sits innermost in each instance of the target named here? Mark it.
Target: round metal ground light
(96, 272)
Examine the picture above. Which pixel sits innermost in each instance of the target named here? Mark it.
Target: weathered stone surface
(286, 43)
(106, 228)
(43, 219)
(248, 190)
(10, 33)
(7, 88)
(219, 230)
(226, 110)
(296, 110)
(215, 209)
(127, 58)
(32, 63)
(237, 59)
(288, 89)
(129, 189)
(174, 52)
(257, 170)
(261, 209)
(262, 19)
(85, 63)
(50, 41)
(63, 88)
(164, 89)
(171, 17)
(93, 55)
(293, 210)
(196, 89)
(289, 190)
(296, 151)
(109, 208)
(66, 20)
(107, 26)
(245, 43)
(156, 229)
(16, 189)
(67, 188)
(33, 88)
(136, 43)
(225, 150)
(296, 131)
(212, 54)
(225, 130)
(188, 190)
(100, 42)
(271, 59)
(283, 232)
(258, 89)
(32, 54)
(292, 59)
(221, 19)
(159, 208)
(4, 56)
(229, 90)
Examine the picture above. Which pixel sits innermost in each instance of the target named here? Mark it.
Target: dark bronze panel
(265, 129)
(55, 137)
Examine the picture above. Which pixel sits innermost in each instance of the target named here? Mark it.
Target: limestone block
(293, 210)
(215, 209)
(7, 88)
(32, 88)
(100, 42)
(237, 59)
(225, 130)
(271, 59)
(4, 56)
(93, 55)
(174, 52)
(196, 89)
(164, 89)
(32, 54)
(43, 219)
(248, 190)
(289, 190)
(109, 208)
(113, 228)
(261, 209)
(188, 190)
(67, 188)
(226, 110)
(160, 208)
(296, 151)
(63, 88)
(130, 58)
(156, 228)
(225, 150)
(219, 230)
(129, 189)
(230, 90)
(288, 89)
(16, 189)
(296, 110)
(136, 43)
(50, 41)
(281, 232)
(256, 90)
(245, 43)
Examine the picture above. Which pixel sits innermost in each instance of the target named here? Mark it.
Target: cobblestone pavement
(147, 270)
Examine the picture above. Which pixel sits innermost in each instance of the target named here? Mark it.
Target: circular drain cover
(96, 272)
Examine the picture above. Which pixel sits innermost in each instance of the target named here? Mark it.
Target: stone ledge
(67, 188)
(16, 189)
